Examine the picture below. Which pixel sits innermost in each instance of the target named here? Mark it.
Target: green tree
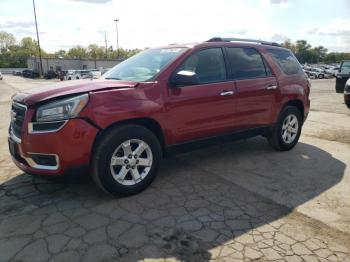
(60, 53)
(6, 40)
(96, 52)
(77, 52)
(320, 53)
(302, 51)
(288, 44)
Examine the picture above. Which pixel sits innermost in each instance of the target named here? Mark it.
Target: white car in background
(95, 73)
(333, 71)
(77, 74)
(72, 74)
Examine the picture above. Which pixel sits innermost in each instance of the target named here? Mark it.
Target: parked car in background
(72, 74)
(84, 73)
(95, 73)
(342, 76)
(50, 74)
(77, 74)
(30, 73)
(160, 102)
(0, 76)
(318, 73)
(104, 70)
(333, 71)
(17, 73)
(347, 93)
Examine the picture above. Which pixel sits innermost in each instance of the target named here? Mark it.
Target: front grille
(18, 112)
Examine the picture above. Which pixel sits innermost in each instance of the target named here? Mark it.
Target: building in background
(59, 64)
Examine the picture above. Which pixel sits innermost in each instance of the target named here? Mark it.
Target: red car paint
(183, 114)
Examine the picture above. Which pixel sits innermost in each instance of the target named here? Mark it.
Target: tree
(6, 40)
(288, 44)
(77, 52)
(320, 53)
(96, 52)
(30, 46)
(60, 53)
(302, 51)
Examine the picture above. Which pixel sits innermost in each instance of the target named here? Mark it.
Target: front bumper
(65, 150)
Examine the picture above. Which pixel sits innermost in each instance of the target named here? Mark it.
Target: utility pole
(106, 46)
(116, 26)
(37, 36)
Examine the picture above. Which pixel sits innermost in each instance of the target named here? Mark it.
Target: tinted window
(246, 63)
(287, 61)
(207, 65)
(345, 67)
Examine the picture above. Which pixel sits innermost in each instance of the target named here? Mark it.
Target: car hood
(36, 95)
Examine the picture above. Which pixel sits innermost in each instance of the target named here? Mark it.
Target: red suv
(160, 102)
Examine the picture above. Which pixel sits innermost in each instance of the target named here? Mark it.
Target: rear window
(287, 61)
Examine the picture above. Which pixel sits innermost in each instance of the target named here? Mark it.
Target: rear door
(256, 87)
(204, 109)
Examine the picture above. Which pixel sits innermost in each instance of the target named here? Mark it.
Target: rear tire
(126, 160)
(285, 134)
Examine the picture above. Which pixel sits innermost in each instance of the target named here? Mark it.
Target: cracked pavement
(238, 201)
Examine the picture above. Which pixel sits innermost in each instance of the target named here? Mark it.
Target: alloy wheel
(290, 128)
(131, 162)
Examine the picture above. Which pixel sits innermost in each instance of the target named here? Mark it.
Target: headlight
(62, 109)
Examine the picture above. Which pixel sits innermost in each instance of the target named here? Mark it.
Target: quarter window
(287, 61)
(206, 65)
(246, 63)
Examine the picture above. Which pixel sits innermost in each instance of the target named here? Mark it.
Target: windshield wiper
(113, 78)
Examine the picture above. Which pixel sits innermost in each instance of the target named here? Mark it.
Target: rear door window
(246, 63)
(286, 61)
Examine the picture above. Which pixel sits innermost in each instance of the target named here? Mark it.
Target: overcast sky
(65, 23)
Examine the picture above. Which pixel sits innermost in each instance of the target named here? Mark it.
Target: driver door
(204, 107)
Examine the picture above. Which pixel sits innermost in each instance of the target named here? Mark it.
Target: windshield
(345, 67)
(144, 66)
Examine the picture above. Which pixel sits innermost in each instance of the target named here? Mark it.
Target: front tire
(126, 160)
(347, 102)
(285, 135)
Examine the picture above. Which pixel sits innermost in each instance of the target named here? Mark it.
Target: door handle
(227, 93)
(271, 87)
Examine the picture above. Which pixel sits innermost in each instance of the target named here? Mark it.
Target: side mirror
(183, 78)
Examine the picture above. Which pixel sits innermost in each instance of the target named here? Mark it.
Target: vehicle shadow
(199, 201)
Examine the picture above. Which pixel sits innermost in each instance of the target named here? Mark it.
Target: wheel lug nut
(126, 161)
(130, 156)
(135, 156)
(133, 167)
(127, 167)
(137, 161)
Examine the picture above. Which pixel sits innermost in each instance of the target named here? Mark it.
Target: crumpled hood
(36, 95)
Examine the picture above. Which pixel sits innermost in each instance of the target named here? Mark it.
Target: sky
(66, 23)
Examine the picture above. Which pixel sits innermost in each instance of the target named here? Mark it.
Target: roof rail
(221, 39)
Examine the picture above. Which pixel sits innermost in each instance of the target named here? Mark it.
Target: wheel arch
(146, 122)
(298, 104)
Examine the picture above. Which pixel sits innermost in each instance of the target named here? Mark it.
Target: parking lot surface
(239, 201)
